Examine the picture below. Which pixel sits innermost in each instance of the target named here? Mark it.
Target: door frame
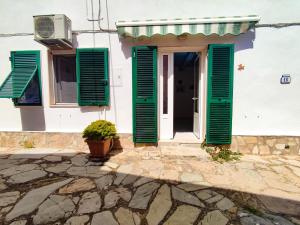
(196, 112)
(202, 87)
(166, 120)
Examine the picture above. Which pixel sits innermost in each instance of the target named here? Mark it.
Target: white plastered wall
(261, 105)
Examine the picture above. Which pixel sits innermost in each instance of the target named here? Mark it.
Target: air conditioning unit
(53, 31)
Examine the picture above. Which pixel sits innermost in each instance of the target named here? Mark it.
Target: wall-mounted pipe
(107, 17)
(87, 11)
(108, 30)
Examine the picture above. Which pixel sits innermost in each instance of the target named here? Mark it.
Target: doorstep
(187, 139)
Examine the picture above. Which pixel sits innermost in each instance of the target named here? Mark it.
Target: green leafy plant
(100, 130)
(221, 153)
(28, 144)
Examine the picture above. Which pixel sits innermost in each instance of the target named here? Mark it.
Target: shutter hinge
(134, 53)
(10, 58)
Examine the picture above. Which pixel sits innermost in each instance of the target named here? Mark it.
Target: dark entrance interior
(185, 68)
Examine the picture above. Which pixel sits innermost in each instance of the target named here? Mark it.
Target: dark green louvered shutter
(219, 93)
(144, 70)
(92, 76)
(25, 75)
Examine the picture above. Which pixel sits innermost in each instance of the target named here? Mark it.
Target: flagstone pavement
(147, 186)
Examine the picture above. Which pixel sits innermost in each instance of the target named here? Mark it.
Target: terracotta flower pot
(99, 149)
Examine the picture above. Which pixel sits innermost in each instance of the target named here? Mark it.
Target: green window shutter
(92, 76)
(219, 93)
(25, 68)
(144, 71)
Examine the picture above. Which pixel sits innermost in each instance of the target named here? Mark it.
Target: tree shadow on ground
(114, 192)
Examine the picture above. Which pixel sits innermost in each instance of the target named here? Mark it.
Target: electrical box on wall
(53, 31)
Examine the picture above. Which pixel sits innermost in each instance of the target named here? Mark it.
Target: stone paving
(147, 186)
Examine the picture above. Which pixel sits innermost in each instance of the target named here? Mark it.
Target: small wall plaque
(285, 79)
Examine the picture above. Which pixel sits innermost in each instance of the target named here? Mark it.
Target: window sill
(64, 105)
(28, 105)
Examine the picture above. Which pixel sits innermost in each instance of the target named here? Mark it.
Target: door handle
(194, 98)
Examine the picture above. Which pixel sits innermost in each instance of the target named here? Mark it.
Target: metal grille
(44, 26)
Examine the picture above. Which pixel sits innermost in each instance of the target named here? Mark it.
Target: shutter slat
(92, 74)
(144, 94)
(219, 96)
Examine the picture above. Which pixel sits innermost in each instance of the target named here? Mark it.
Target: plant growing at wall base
(28, 144)
(99, 135)
(221, 153)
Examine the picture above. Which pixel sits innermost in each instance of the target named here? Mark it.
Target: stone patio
(147, 186)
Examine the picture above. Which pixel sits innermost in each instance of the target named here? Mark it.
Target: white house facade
(162, 71)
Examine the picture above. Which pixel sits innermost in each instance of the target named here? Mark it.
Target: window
(65, 78)
(81, 77)
(23, 82)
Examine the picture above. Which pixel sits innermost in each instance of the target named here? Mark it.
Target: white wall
(262, 106)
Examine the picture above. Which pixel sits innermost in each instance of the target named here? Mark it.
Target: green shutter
(92, 76)
(219, 93)
(144, 71)
(25, 65)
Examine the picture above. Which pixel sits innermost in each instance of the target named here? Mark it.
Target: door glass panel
(165, 84)
(196, 84)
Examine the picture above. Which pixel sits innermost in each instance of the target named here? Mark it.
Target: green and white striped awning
(206, 26)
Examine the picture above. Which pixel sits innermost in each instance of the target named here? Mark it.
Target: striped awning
(206, 26)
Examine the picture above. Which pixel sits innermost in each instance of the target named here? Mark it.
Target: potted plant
(98, 135)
